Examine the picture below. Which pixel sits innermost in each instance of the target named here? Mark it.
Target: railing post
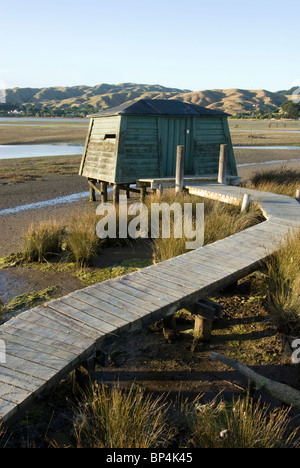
(160, 190)
(179, 168)
(245, 202)
(222, 164)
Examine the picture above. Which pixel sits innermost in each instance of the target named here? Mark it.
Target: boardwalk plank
(110, 296)
(28, 354)
(19, 379)
(30, 368)
(55, 335)
(33, 336)
(13, 394)
(96, 307)
(141, 293)
(7, 410)
(151, 286)
(74, 309)
(128, 301)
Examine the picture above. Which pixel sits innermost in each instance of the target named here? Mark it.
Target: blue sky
(186, 44)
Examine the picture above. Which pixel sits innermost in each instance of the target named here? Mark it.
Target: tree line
(288, 110)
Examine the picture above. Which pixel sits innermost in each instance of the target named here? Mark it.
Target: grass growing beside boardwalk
(220, 220)
(118, 419)
(283, 181)
(283, 284)
(242, 423)
(81, 242)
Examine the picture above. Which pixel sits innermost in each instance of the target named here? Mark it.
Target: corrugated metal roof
(169, 107)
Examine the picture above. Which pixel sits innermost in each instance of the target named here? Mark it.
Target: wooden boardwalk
(45, 343)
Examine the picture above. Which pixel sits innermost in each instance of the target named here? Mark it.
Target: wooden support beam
(222, 164)
(169, 328)
(103, 186)
(143, 190)
(202, 328)
(116, 194)
(134, 190)
(179, 169)
(127, 189)
(84, 374)
(93, 189)
(204, 313)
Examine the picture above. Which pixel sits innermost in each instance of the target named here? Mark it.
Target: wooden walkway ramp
(44, 344)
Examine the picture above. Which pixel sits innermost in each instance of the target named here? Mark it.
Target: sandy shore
(11, 195)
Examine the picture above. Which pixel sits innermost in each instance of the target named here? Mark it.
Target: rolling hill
(109, 95)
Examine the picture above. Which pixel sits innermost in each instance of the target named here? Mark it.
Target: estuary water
(65, 149)
(35, 151)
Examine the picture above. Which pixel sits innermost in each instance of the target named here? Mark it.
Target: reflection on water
(35, 151)
(268, 162)
(43, 204)
(268, 147)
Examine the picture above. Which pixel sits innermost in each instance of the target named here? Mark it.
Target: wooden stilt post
(222, 164)
(127, 190)
(204, 313)
(179, 169)
(202, 328)
(103, 192)
(92, 190)
(116, 192)
(142, 193)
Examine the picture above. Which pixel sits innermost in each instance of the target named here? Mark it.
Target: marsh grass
(81, 243)
(116, 418)
(242, 423)
(220, 220)
(3, 433)
(42, 241)
(283, 181)
(283, 284)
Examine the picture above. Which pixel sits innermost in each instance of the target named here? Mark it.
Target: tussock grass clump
(115, 418)
(81, 241)
(283, 181)
(242, 423)
(283, 283)
(42, 241)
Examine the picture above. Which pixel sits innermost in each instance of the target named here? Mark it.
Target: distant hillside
(105, 95)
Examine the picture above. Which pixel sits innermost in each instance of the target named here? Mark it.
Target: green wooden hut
(138, 140)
